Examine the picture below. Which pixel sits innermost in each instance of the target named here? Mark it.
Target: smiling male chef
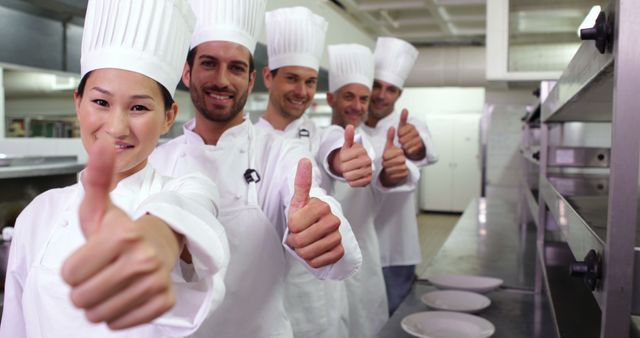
(395, 220)
(351, 69)
(295, 44)
(271, 205)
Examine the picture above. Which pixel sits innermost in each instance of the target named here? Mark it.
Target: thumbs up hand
(409, 138)
(313, 230)
(352, 161)
(394, 167)
(121, 275)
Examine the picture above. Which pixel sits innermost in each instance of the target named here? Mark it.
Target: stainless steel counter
(489, 241)
(40, 170)
(514, 313)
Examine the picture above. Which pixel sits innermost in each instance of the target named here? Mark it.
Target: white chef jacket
(366, 292)
(316, 308)
(308, 301)
(276, 161)
(395, 219)
(37, 303)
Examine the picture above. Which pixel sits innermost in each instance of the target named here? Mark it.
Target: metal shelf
(594, 212)
(532, 154)
(575, 313)
(584, 92)
(532, 203)
(579, 157)
(579, 205)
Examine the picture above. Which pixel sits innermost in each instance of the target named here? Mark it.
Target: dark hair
(192, 56)
(274, 72)
(166, 96)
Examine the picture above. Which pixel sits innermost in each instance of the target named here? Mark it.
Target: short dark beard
(379, 115)
(237, 108)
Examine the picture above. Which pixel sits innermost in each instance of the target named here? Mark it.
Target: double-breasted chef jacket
(316, 305)
(37, 301)
(316, 308)
(395, 219)
(255, 172)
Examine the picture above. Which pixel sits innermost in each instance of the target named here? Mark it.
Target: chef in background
(295, 45)
(395, 220)
(351, 69)
(272, 206)
(125, 252)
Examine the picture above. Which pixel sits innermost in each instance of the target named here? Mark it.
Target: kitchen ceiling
(421, 22)
(463, 22)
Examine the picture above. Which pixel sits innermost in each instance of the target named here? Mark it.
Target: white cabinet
(451, 183)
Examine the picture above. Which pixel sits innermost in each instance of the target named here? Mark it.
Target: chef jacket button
(64, 223)
(183, 154)
(242, 150)
(237, 196)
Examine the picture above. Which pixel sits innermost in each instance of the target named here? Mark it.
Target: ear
(186, 74)
(252, 82)
(330, 99)
(76, 102)
(170, 117)
(267, 77)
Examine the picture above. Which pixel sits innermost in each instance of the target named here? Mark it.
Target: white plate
(467, 283)
(444, 324)
(450, 300)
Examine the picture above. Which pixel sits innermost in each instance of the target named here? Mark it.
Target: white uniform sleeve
(431, 155)
(13, 322)
(332, 139)
(352, 259)
(410, 184)
(188, 204)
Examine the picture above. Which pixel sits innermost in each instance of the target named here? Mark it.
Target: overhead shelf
(584, 92)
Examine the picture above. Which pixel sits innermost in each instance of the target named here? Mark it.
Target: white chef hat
(295, 37)
(394, 60)
(147, 37)
(238, 21)
(350, 63)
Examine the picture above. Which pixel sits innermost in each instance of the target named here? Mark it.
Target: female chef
(124, 252)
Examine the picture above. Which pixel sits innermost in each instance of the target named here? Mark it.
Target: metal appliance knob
(590, 269)
(601, 32)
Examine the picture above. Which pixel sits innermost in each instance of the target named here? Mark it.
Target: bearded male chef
(351, 69)
(271, 204)
(395, 219)
(295, 44)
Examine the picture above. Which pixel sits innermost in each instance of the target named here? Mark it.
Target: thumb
(349, 133)
(391, 134)
(96, 181)
(302, 186)
(404, 116)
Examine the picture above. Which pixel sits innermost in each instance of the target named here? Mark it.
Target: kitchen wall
(446, 106)
(2, 105)
(505, 108)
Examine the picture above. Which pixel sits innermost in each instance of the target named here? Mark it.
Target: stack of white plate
(457, 302)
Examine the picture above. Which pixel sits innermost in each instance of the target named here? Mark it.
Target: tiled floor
(433, 229)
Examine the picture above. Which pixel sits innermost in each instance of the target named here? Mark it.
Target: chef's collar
(128, 185)
(385, 122)
(228, 137)
(291, 129)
